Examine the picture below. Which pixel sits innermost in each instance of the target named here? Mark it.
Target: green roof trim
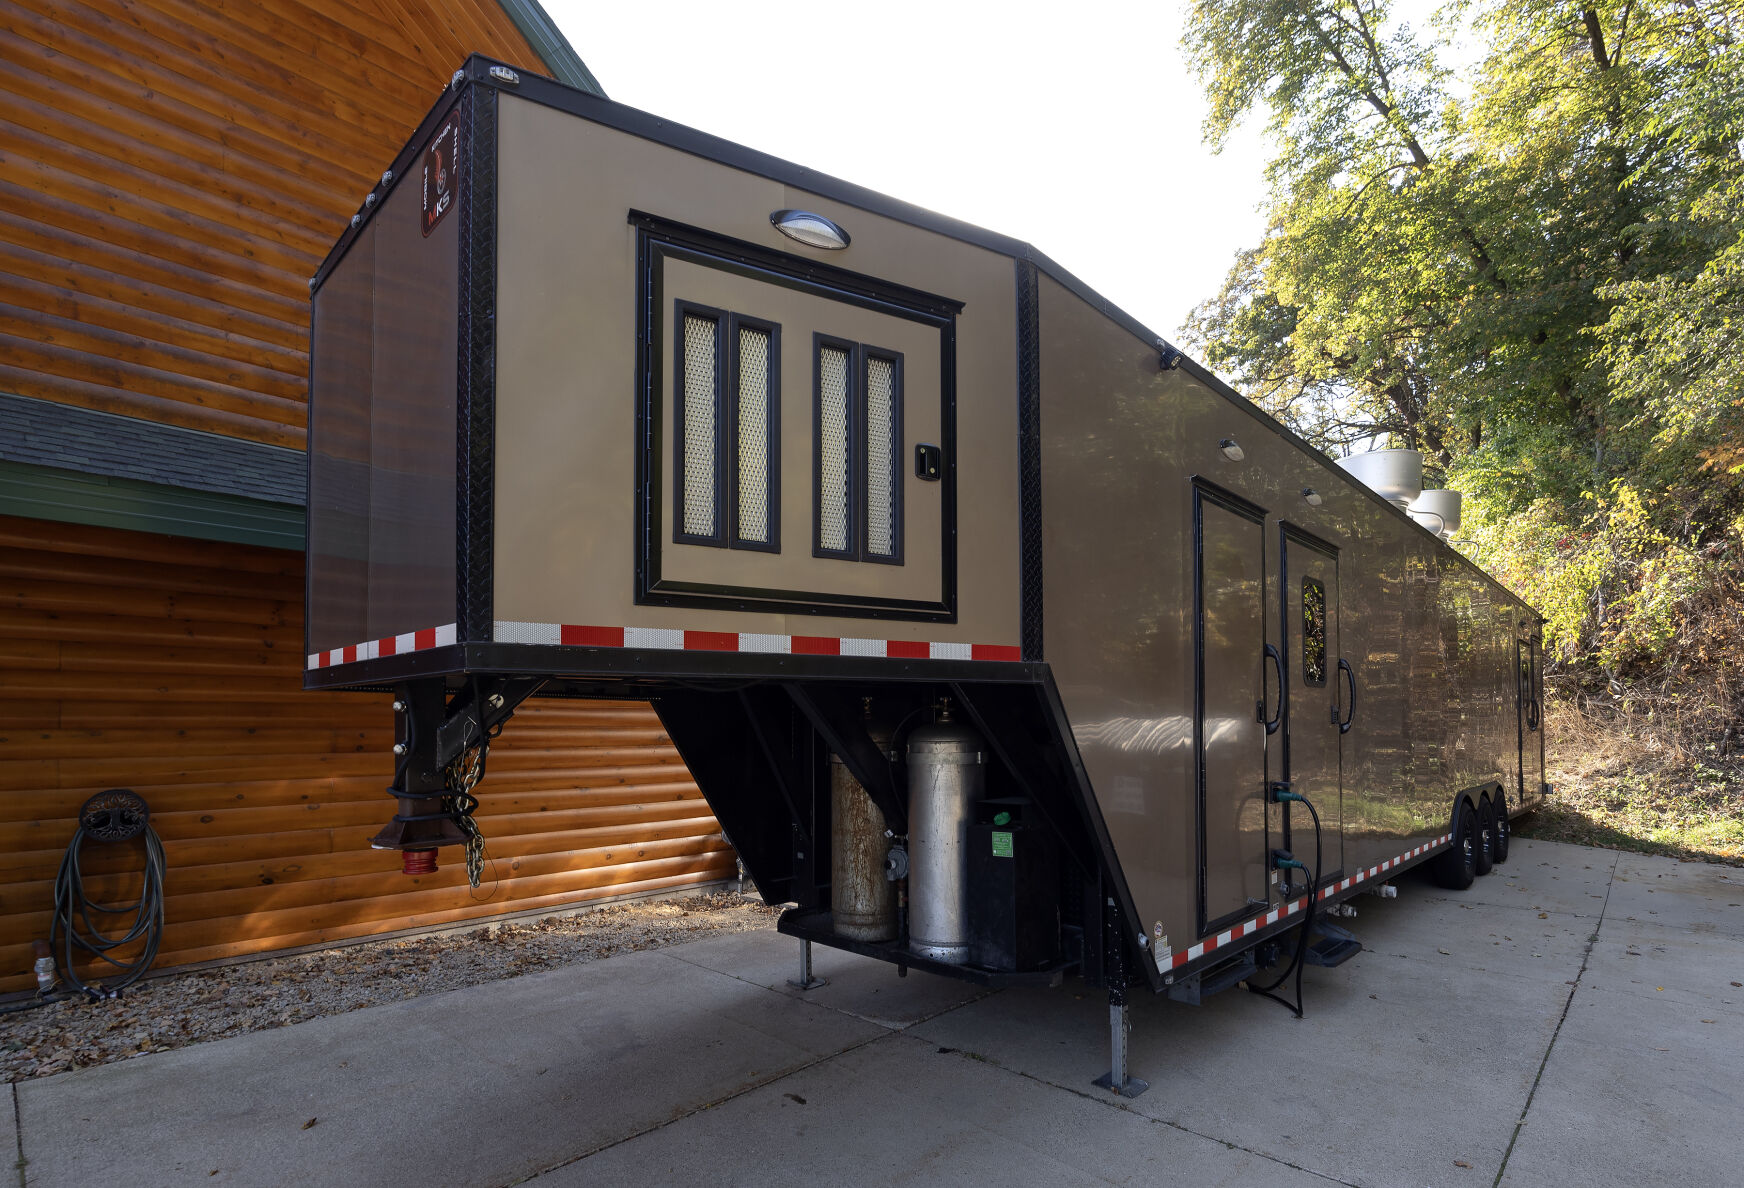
(551, 45)
(69, 497)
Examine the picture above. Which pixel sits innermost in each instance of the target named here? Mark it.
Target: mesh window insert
(700, 412)
(881, 449)
(753, 445)
(1313, 632)
(833, 466)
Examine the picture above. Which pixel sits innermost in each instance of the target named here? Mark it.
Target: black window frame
(860, 356)
(726, 434)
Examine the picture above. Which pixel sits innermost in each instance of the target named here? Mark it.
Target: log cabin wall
(174, 667)
(171, 173)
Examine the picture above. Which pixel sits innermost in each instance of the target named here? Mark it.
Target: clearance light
(813, 230)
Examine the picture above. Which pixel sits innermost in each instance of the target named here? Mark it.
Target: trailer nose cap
(811, 229)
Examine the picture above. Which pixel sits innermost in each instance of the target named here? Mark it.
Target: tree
(1533, 273)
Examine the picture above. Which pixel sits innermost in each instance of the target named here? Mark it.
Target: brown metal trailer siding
(174, 667)
(566, 388)
(1125, 448)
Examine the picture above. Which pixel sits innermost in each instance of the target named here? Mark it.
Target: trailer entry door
(1308, 584)
(1231, 705)
(1526, 696)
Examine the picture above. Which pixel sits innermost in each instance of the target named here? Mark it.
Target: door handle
(1277, 659)
(1350, 682)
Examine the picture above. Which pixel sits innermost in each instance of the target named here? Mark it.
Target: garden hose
(77, 932)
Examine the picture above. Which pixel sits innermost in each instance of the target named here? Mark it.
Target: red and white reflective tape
(393, 645)
(1249, 927)
(674, 640)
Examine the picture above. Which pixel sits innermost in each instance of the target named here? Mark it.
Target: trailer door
(1526, 697)
(1314, 716)
(1231, 706)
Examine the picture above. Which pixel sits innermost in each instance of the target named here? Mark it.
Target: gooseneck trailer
(1005, 642)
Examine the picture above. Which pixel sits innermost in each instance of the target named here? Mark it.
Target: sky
(1075, 127)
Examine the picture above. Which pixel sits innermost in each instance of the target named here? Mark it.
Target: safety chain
(461, 777)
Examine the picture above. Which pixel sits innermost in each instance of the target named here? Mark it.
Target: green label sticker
(1001, 845)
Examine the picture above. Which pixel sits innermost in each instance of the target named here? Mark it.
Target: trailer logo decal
(1175, 961)
(441, 174)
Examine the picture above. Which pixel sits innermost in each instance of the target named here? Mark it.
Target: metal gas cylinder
(947, 774)
(862, 899)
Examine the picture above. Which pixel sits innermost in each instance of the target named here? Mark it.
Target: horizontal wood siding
(174, 667)
(173, 171)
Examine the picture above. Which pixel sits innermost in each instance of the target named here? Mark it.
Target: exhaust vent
(1438, 511)
(1394, 475)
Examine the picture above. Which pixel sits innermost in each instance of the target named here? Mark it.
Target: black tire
(1457, 866)
(1499, 836)
(1484, 852)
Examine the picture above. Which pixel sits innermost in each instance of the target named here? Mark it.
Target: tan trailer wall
(567, 392)
(174, 667)
(1426, 634)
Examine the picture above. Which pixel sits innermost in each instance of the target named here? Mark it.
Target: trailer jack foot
(806, 980)
(1116, 1080)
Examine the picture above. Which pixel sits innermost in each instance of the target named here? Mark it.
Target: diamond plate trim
(476, 393)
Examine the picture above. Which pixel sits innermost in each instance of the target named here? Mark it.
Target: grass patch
(1622, 784)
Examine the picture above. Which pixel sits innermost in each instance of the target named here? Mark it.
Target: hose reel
(111, 817)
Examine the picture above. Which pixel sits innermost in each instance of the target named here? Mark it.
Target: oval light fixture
(1232, 449)
(1312, 496)
(811, 229)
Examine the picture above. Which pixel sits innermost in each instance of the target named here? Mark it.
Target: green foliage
(1534, 273)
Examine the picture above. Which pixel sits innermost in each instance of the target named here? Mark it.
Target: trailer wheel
(1457, 867)
(1484, 852)
(1499, 835)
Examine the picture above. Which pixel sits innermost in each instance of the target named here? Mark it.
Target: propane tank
(947, 774)
(862, 899)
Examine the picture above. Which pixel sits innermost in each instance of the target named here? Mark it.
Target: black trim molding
(476, 389)
(1029, 459)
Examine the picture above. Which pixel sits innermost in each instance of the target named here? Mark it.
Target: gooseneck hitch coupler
(431, 731)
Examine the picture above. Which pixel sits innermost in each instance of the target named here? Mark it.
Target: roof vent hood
(1437, 511)
(1394, 475)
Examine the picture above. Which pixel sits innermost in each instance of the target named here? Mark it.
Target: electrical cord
(77, 927)
(1297, 963)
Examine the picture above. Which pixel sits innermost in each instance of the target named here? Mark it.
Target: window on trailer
(727, 477)
(857, 404)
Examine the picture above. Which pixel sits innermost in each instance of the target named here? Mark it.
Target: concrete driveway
(1573, 1018)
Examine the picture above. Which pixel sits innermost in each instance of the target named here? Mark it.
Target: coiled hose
(77, 931)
